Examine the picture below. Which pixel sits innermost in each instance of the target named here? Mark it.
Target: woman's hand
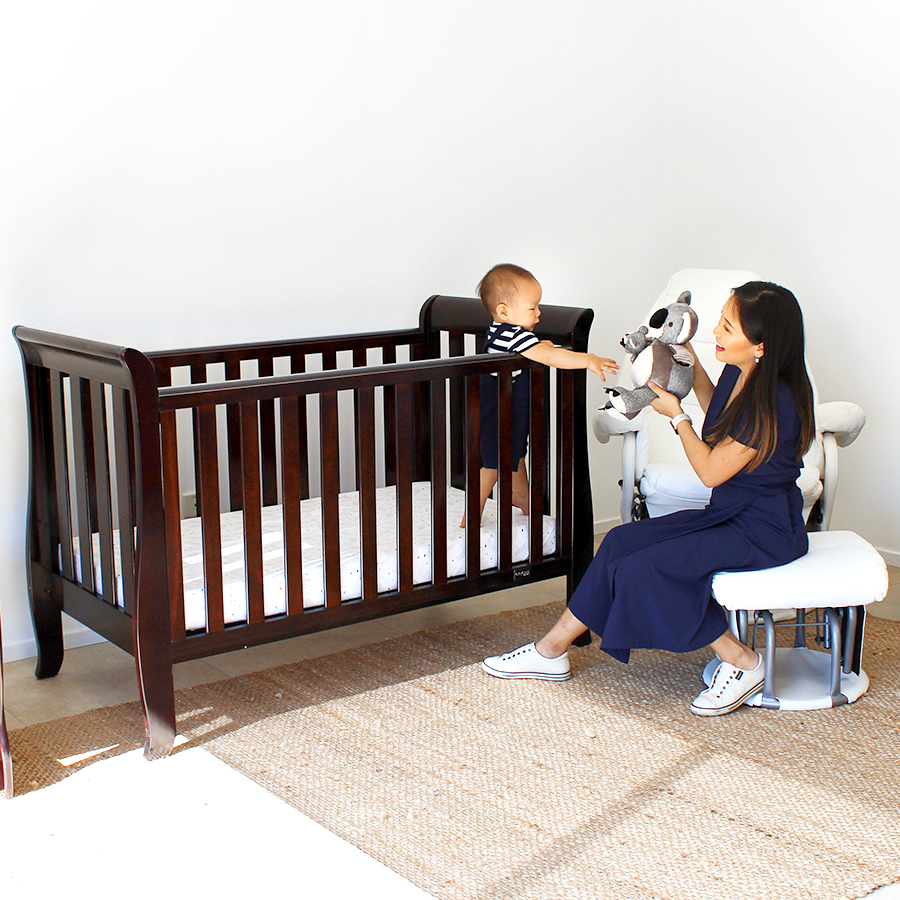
(665, 403)
(713, 465)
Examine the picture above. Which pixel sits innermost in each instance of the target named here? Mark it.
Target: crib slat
(61, 467)
(331, 486)
(292, 462)
(505, 463)
(43, 537)
(123, 449)
(253, 561)
(364, 401)
(405, 453)
(537, 454)
(473, 477)
(205, 441)
(172, 501)
(298, 366)
(421, 408)
(233, 439)
(456, 347)
(82, 503)
(267, 440)
(102, 492)
(439, 481)
(389, 396)
(87, 417)
(566, 424)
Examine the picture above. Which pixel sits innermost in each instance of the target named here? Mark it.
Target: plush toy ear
(684, 297)
(688, 327)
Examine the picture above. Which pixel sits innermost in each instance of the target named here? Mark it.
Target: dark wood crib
(119, 439)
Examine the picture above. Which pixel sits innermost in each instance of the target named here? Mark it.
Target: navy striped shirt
(503, 337)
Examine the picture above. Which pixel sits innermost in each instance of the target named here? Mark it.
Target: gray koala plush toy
(660, 357)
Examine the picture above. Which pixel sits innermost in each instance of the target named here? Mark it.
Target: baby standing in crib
(512, 295)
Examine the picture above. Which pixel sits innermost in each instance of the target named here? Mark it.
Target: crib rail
(216, 364)
(422, 419)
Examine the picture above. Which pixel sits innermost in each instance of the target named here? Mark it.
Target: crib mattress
(274, 593)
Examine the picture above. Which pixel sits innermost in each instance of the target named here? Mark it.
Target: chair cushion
(840, 569)
(668, 488)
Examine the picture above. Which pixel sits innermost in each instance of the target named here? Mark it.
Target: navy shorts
(490, 401)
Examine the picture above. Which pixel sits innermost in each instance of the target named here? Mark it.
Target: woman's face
(732, 345)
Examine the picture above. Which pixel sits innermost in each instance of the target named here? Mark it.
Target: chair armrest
(841, 418)
(604, 425)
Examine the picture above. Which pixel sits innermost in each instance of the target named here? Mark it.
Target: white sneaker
(730, 687)
(526, 662)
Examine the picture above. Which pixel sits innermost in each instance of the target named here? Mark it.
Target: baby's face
(524, 310)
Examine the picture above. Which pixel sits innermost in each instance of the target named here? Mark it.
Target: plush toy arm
(682, 355)
(841, 418)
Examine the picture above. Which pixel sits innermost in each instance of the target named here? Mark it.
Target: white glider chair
(834, 582)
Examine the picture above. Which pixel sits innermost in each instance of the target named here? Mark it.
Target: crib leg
(157, 687)
(48, 631)
(158, 701)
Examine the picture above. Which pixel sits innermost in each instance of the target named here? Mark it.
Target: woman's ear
(760, 351)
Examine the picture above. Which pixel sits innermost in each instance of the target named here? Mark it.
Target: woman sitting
(649, 586)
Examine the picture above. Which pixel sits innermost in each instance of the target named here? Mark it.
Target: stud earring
(756, 359)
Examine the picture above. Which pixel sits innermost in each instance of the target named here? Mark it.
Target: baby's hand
(600, 364)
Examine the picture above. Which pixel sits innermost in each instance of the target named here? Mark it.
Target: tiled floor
(191, 800)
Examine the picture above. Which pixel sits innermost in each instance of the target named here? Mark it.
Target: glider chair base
(830, 588)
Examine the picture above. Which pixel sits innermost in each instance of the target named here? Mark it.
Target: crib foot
(159, 728)
(160, 738)
(157, 687)
(48, 633)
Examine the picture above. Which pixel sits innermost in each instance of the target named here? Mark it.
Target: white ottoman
(839, 576)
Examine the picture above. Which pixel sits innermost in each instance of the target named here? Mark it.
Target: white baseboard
(74, 635)
(601, 526)
(891, 557)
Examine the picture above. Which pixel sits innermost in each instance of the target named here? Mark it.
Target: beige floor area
(191, 800)
(103, 675)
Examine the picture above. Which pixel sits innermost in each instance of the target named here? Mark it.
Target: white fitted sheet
(274, 595)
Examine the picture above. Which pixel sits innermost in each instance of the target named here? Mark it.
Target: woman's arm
(713, 465)
(560, 358)
(703, 386)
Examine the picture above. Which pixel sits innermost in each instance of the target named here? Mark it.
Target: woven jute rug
(601, 787)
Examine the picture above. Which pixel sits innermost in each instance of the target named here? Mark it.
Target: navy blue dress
(649, 584)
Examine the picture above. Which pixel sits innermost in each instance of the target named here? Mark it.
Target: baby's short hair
(500, 285)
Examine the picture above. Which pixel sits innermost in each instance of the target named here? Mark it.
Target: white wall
(789, 165)
(196, 172)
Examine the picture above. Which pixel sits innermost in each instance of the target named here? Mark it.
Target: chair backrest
(710, 289)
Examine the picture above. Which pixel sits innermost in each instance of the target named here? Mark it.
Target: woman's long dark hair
(768, 315)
